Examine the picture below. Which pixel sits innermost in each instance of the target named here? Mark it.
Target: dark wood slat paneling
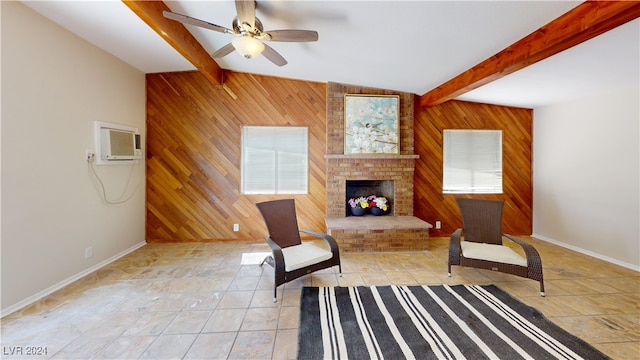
(429, 202)
(193, 155)
(193, 152)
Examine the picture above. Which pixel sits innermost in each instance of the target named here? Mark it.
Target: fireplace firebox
(357, 188)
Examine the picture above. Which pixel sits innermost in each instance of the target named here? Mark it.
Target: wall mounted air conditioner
(117, 143)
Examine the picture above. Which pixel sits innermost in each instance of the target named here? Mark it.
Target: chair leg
(541, 288)
(275, 294)
(449, 270)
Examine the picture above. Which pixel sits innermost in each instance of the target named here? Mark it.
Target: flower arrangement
(380, 202)
(361, 202)
(377, 205)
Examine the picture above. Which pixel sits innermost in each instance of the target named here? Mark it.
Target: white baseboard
(30, 300)
(588, 252)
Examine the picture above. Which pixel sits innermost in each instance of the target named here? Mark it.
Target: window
(274, 160)
(472, 162)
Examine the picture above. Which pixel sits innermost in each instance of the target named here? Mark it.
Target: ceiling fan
(248, 32)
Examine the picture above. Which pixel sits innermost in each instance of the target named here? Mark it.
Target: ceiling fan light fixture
(247, 46)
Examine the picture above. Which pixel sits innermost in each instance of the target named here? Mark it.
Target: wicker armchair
(291, 258)
(482, 246)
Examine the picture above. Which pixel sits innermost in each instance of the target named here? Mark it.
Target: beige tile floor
(195, 301)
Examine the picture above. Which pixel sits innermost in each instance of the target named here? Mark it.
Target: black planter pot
(358, 211)
(377, 211)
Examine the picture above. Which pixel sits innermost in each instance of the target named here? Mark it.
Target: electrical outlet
(236, 227)
(438, 225)
(88, 252)
(88, 155)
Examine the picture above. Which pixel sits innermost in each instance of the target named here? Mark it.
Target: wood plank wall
(193, 152)
(193, 155)
(429, 202)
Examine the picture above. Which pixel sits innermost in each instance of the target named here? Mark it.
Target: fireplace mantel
(370, 156)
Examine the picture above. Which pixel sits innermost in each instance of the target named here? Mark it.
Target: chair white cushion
(491, 252)
(299, 256)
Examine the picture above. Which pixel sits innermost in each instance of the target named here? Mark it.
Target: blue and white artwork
(371, 124)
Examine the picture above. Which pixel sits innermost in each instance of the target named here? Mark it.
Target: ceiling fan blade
(193, 21)
(223, 51)
(273, 56)
(246, 12)
(292, 35)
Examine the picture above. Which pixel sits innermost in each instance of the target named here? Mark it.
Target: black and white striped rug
(428, 322)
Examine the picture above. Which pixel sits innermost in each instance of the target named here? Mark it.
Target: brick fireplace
(399, 230)
(396, 168)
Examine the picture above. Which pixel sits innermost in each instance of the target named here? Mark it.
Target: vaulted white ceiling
(410, 46)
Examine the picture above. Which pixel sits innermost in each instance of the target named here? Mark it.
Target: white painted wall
(586, 175)
(54, 86)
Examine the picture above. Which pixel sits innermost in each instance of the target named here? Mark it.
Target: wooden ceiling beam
(585, 21)
(177, 35)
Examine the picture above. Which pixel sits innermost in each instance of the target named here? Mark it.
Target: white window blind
(274, 160)
(472, 162)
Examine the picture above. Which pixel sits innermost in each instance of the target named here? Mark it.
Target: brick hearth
(379, 233)
(402, 231)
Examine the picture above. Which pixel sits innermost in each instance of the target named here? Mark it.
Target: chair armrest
(278, 257)
(534, 263)
(454, 247)
(333, 244)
